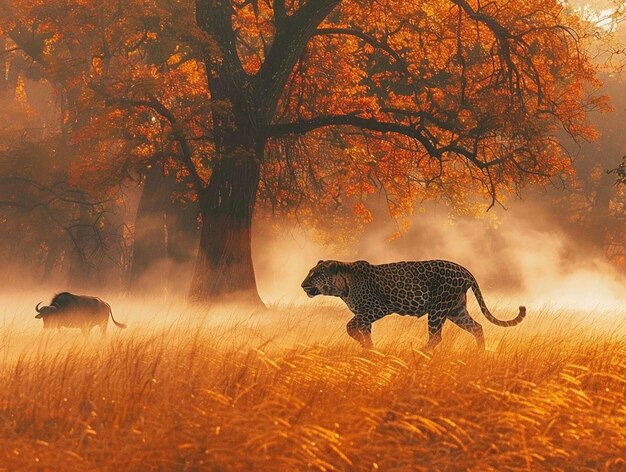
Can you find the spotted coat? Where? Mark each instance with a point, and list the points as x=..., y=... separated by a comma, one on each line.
x=435, y=288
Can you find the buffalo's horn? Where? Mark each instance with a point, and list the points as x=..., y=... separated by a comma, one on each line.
x=37, y=307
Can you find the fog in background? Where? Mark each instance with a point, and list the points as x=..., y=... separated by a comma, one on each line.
x=519, y=256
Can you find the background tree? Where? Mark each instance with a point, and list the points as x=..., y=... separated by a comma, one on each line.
x=591, y=210
x=61, y=45
x=81, y=230
x=478, y=115
x=620, y=171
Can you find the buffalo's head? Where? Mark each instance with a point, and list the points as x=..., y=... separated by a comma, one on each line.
x=48, y=322
x=327, y=278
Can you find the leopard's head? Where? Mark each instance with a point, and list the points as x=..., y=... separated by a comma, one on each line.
x=327, y=278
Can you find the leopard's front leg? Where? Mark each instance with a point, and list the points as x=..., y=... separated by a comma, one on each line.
x=360, y=329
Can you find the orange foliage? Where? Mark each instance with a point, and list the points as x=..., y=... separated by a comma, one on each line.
x=480, y=90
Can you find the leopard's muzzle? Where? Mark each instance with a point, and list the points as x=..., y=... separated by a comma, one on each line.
x=310, y=290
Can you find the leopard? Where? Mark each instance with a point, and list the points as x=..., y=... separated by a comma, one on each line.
x=436, y=288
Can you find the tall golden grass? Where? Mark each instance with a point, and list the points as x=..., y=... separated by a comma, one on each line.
x=182, y=389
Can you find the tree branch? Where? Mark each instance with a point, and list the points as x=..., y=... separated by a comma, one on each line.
x=60, y=196
x=214, y=17
x=291, y=37
x=503, y=36
x=418, y=133
x=375, y=43
x=280, y=14
x=46, y=205
x=187, y=153
x=29, y=43
x=422, y=116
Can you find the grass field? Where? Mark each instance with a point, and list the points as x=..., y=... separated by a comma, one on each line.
x=182, y=389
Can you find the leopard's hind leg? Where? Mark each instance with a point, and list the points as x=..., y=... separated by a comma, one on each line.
x=464, y=321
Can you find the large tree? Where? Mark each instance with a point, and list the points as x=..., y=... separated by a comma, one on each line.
x=298, y=103
x=461, y=84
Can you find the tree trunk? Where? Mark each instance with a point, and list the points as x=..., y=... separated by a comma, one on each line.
x=165, y=234
x=224, y=269
x=3, y=67
x=82, y=274
x=600, y=222
x=51, y=260
x=149, y=246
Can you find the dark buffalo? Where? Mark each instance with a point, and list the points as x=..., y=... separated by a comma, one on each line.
x=67, y=310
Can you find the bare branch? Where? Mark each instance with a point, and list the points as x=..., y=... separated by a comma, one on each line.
x=60, y=196
x=47, y=204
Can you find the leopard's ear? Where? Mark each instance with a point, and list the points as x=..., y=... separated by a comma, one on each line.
x=319, y=262
x=333, y=267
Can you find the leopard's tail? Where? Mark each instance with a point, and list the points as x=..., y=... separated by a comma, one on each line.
x=483, y=307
